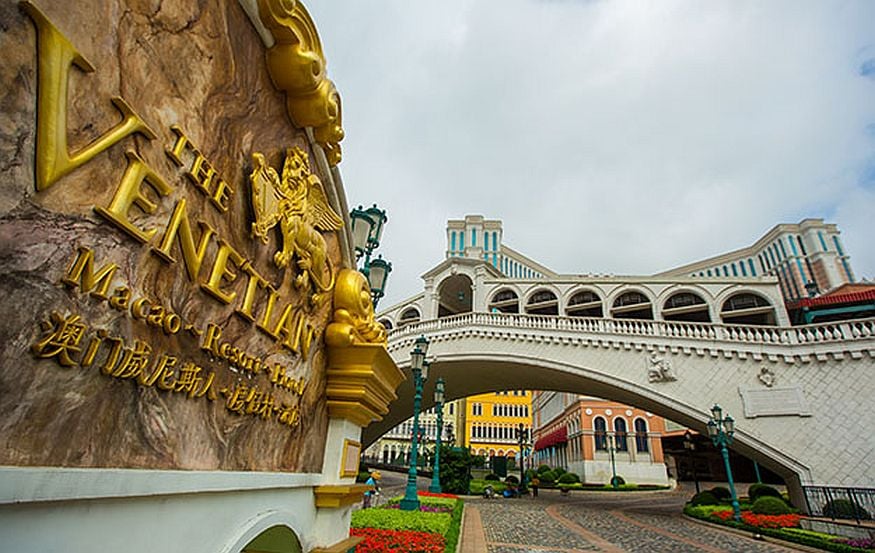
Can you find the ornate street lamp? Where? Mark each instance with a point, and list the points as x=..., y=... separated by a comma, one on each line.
x=612, y=447
x=690, y=446
x=419, y=368
x=720, y=430
x=439, y=406
x=367, y=231
x=522, y=436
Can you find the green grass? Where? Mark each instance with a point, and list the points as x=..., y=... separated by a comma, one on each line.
x=455, y=526
x=396, y=519
x=478, y=485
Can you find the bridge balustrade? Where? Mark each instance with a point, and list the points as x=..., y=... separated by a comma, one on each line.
x=749, y=334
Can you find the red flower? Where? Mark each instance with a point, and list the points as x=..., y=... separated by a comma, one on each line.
x=397, y=541
x=429, y=494
x=762, y=521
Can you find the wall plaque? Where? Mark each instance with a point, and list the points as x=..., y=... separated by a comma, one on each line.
x=773, y=402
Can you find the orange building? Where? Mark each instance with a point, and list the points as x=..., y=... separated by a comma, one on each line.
x=593, y=437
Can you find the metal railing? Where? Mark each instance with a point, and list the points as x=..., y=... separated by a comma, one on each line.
x=840, y=503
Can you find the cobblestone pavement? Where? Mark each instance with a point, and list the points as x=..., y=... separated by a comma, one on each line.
x=607, y=522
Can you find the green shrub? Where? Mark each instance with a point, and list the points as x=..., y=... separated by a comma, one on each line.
x=704, y=498
x=547, y=477
x=618, y=480
x=455, y=527
x=543, y=468
x=559, y=471
x=477, y=486
x=843, y=508
x=575, y=486
x=511, y=479
x=569, y=478
x=456, y=463
x=761, y=490
x=704, y=511
x=530, y=473
x=768, y=505
x=721, y=492
x=492, y=476
x=396, y=519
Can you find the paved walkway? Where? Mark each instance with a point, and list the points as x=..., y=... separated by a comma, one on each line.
x=596, y=521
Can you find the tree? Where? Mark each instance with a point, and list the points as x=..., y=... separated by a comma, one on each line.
x=456, y=463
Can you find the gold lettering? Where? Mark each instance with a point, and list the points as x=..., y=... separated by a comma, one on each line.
x=164, y=367
x=221, y=272
x=56, y=55
x=121, y=298
x=81, y=273
x=253, y=283
x=222, y=195
x=264, y=324
x=181, y=141
x=291, y=326
x=129, y=194
x=191, y=255
x=140, y=308
x=211, y=339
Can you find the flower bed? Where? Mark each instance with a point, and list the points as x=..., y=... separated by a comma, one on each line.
x=784, y=527
x=434, y=528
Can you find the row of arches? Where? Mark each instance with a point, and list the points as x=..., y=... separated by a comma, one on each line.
x=683, y=306
x=620, y=435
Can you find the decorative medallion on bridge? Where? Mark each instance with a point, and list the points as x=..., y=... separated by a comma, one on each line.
x=297, y=202
x=767, y=377
x=659, y=369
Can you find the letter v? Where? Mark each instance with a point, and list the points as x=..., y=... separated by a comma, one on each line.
x=55, y=55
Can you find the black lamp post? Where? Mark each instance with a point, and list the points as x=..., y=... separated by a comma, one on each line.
x=439, y=406
x=522, y=436
x=367, y=230
x=721, y=429
x=690, y=446
x=419, y=368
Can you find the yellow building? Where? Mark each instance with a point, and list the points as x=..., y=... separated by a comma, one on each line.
x=491, y=422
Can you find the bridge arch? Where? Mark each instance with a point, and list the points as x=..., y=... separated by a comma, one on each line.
x=409, y=315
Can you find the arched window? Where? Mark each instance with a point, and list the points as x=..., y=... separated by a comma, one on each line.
x=584, y=304
x=632, y=305
x=686, y=306
x=505, y=301
x=601, y=434
x=409, y=316
x=750, y=309
x=620, y=435
x=543, y=302
x=387, y=324
x=641, y=441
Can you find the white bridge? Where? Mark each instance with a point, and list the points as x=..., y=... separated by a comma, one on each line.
x=803, y=397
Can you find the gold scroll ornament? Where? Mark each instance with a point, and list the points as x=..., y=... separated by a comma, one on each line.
x=362, y=377
x=297, y=67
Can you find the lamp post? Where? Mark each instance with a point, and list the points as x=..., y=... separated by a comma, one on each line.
x=690, y=446
x=522, y=436
x=612, y=447
x=721, y=429
x=367, y=230
x=439, y=405
x=419, y=368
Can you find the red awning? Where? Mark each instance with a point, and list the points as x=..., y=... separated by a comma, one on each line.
x=558, y=436
x=837, y=299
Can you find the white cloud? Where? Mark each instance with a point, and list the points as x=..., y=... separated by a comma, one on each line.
x=609, y=136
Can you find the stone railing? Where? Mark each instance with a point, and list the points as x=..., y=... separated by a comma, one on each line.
x=843, y=331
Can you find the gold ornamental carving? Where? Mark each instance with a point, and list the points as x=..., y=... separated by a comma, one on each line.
x=297, y=67
x=342, y=495
x=362, y=377
x=297, y=202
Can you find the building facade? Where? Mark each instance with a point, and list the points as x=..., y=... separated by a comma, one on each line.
x=597, y=439
x=393, y=448
x=492, y=422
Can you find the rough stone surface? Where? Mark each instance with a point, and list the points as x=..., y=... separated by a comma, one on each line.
x=195, y=64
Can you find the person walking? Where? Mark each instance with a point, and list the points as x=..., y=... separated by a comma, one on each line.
x=534, y=484
x=373, y=480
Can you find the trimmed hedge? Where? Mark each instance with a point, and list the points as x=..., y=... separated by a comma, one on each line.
x=396, y=519
x=721, y=492
x=543, y=468
x=492, y=476
x=511, y=479
x=547, y=477
x=455, y=527
x=757, y=491
x=843, y=508
x=768, y=505
x=704, y=498
x=569, y=478
x=559, y=471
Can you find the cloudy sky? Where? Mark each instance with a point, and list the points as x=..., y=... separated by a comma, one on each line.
x=609, y=136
